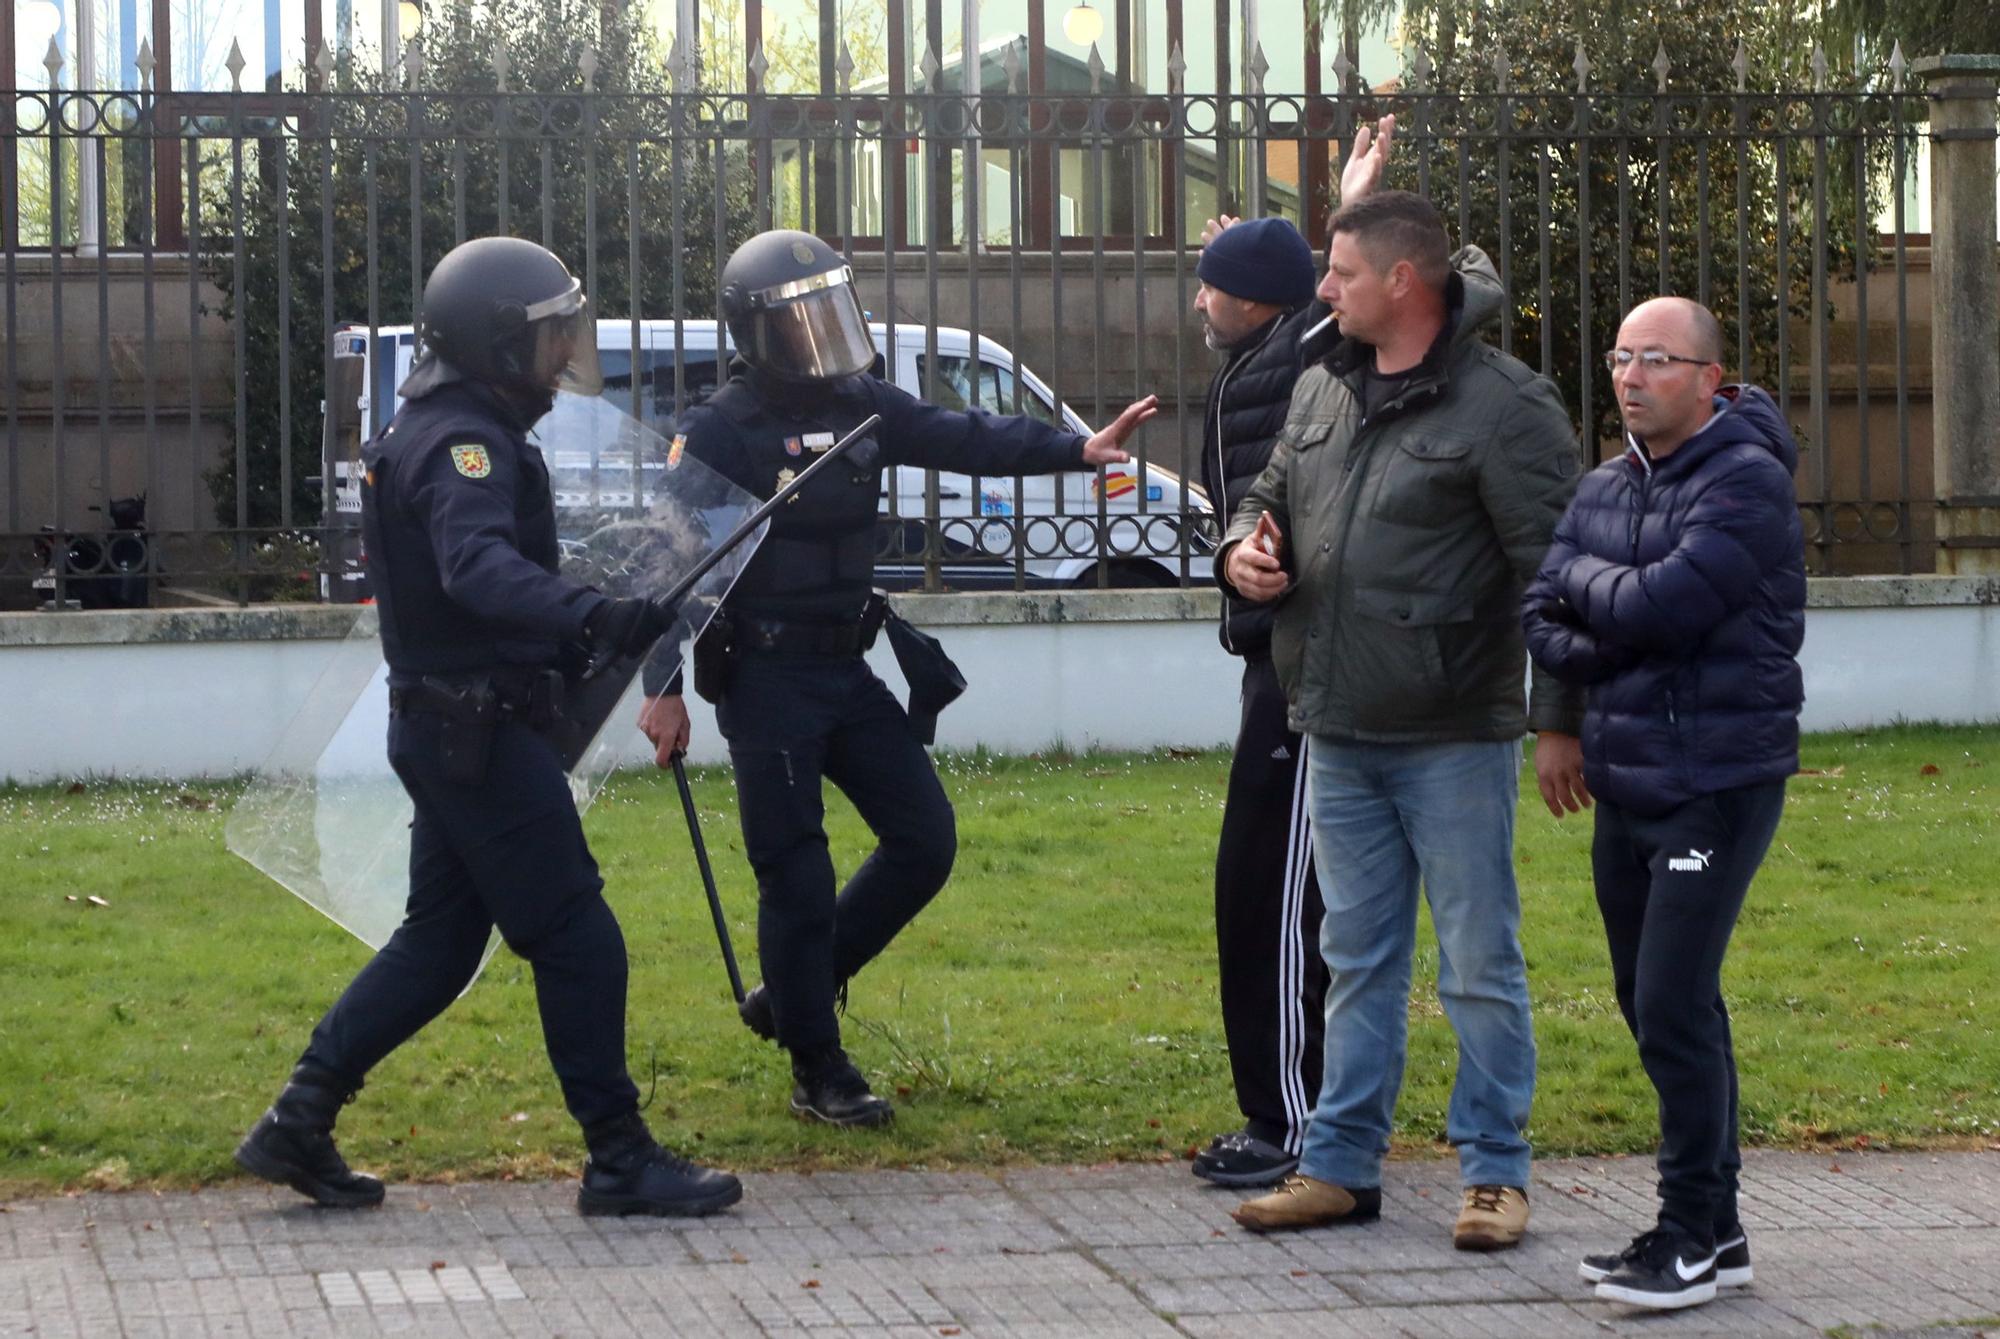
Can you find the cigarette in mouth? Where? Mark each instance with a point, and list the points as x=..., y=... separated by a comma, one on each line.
x=1330, y=319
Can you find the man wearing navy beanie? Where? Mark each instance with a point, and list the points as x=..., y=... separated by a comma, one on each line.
x=1256, y=299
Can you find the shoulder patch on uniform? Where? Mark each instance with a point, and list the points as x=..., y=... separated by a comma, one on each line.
x=471, y=460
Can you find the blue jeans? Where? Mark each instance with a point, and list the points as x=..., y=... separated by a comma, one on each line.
x=1384, y=816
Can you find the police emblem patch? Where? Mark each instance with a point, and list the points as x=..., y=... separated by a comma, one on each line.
x=675, y=451
x=793, y=446
x=785, y=477
x=471, y=460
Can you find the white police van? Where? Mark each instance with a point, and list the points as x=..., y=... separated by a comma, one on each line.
x=1130, y=519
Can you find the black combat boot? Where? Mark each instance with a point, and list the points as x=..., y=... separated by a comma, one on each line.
x=829, y=1088
x=628, y=1172
x=293, y=1143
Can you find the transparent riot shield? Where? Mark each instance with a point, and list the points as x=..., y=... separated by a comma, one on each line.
x=327, y=818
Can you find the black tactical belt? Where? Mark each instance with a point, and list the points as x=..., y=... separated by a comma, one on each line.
x=535, y=699
x=801, y=639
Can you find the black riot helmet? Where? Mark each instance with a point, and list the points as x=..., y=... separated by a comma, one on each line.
x=789, y=301
x=507, y=312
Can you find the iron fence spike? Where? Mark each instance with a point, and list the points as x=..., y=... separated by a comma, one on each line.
x=843, y=66
x=1819, y=68
x=1259, y=67
x=1741, y=64
x=760, y=65
x=931, y=67
x=500, y=65
x=1010, y=62
x=53, y=62
x=323, y=63
x=234, y=63
x=1897, y=65
x=1502, y=69
x=1422, y=68
x=145, y=62
x=1582, y=67
x=1661, y=65
x=587, y=64
x=1176, y=70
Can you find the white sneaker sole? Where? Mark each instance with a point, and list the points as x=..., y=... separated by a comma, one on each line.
x=1652, y=1301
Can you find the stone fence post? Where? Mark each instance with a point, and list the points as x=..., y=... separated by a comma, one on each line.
x=1965, y=315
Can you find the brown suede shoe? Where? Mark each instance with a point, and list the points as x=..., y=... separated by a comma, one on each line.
x=1494, y=1218
x=1302, y=1201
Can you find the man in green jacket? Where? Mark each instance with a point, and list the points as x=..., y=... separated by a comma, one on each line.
x=1411, y=495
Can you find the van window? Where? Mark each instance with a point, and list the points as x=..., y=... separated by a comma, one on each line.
x=955, y=388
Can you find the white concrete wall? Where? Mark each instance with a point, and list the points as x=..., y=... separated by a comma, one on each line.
x=90, y=695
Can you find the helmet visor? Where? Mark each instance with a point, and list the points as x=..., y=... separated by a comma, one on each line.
x=563, y=354
x=817, y=337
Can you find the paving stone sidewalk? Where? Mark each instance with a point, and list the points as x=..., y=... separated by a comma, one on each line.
x=1903, y=1244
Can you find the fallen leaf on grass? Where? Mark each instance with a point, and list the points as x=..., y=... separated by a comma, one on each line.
x=96, y=901
x=75, y=788
x=69, y=897
x=1824, y=771
x=189, y=800
x=1183, y=753
x=1928, y=769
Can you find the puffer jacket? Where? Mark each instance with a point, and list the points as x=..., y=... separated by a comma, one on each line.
x=1676, y=589
x=1410, y=534
x=1247, y=404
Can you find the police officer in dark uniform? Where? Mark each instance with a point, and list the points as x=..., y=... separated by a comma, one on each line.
x=783, y=663
x=459, y=525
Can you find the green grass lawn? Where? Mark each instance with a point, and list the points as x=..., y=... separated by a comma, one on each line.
x=1056, y=1004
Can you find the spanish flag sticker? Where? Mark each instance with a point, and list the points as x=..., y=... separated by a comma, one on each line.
x=675, y=451
x=472, y=461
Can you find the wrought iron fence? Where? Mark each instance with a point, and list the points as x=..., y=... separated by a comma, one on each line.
x=186, y=275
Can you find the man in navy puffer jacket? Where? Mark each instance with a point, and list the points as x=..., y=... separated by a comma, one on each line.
x=1675, y=589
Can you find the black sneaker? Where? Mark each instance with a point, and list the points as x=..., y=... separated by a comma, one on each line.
x=1239, y=1158
x=829, y=1088
x=1663, y=1270
x=1732, y=1262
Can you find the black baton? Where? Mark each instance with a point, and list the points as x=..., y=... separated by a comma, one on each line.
x=707, y=877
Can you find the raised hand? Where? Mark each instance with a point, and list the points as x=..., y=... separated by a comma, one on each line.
x=1368, y=161
x=1108, y=446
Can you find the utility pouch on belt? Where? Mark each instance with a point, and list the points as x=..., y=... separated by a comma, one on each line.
x=934, y=681
x=715, y=658
x=465, y=740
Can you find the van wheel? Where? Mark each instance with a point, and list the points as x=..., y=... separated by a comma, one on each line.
x=1128, y=575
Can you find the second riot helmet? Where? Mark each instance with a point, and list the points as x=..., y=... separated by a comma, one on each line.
x=507, y=312
x=789, y=301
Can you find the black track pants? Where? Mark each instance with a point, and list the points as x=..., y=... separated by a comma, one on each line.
x=1267, y=915
x=1670, y=889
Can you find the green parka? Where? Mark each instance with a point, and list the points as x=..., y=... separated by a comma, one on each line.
x=1409, y=537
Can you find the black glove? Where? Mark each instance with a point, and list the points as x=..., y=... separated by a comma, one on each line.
x=627, y=627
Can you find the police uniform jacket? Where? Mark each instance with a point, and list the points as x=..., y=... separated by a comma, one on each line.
x=817, y=562
x=460, y=534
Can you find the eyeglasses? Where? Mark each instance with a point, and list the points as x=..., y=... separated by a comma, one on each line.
x=1653, y=360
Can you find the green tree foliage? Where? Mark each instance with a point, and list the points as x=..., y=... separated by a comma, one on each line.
x=581, y=172
x=1607, y=190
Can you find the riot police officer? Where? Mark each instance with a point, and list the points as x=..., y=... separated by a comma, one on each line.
x=783, y=663
x=459, y=525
